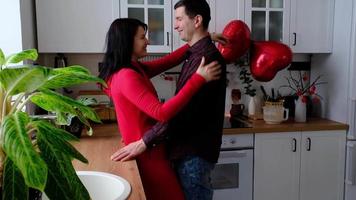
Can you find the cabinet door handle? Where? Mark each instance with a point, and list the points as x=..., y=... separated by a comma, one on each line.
x=294, y=145
x=308, y=144
x=295, y=39
x=167, y=38
x=351, y=172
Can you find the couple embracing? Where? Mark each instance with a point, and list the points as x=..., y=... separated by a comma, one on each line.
x=176, y=144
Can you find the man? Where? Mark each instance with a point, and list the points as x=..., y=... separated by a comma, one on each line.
x=194, y=135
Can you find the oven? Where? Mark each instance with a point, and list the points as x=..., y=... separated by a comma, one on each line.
x=232, y=177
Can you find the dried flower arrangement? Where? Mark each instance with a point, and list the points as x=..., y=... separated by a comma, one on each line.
x=303, y=87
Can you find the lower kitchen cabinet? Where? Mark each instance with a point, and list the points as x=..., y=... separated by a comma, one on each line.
x=299, y=165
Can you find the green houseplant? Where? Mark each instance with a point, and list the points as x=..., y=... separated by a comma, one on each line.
x=245, y=77
x=35, y=153
x=253, y=104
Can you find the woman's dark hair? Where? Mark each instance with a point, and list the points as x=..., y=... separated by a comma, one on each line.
x=119, y=45
x=194, y=8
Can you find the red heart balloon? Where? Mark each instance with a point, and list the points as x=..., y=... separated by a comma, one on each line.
x=267, y=58
x=238, y=34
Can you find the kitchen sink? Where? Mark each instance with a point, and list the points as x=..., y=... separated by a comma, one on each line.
x=101, y=185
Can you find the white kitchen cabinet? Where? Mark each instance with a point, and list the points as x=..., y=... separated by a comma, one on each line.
x=322, y=165
x=157, y=15
x=306, y=26
x=299, y=165
x=74, y=26
x=311, y=27
x=225, y=11
x=277, y=163
x=268, y=19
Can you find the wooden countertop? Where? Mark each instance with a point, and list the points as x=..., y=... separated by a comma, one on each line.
x=98, y=149
x=259, y=126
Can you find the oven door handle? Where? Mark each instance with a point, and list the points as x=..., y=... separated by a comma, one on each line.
x=228, y=157
x=232, y=154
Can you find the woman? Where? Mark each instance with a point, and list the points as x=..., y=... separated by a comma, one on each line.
x=136, y=103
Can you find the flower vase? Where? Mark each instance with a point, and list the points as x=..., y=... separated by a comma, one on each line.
x=252, y=106
x=300, y=112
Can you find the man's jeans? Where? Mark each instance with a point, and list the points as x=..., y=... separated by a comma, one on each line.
x=194, y=174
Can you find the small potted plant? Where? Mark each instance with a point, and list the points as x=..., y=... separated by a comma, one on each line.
x=34, y=153
x=245, y=77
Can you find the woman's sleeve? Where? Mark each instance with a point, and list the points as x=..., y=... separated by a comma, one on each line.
x=134, y=87
x=173, y=59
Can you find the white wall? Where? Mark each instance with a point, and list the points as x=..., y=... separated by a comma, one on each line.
x=18, y=30
x=90, y=61
x=10, y=34
x=336, y=67
x=28, y=24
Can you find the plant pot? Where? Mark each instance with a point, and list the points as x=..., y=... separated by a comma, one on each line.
x=254, y=106
x=76, y=127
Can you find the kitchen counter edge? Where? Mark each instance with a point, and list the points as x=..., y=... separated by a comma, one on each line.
x=259, y=126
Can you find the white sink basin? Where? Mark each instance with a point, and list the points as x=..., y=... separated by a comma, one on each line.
x=101, y=185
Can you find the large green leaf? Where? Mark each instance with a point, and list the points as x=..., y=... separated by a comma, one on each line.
x=86, y=123
x=68, y=76
x=58, y=139
x=19, y=80
x=29, y=54
x=63, y=118
x=63, y=182
x=66, y=118
x=2, y=58
x=71, y=69
x=54, y=102
x=19, y=149
x=14, y=186
x=87, y=101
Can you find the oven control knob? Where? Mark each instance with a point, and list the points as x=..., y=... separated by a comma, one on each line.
x=232, y=141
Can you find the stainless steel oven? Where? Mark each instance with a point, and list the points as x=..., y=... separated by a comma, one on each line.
x=232, y=177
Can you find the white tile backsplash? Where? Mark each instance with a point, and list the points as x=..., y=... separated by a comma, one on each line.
x=165, y=88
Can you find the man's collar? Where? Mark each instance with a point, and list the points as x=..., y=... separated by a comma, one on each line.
x=200, y=44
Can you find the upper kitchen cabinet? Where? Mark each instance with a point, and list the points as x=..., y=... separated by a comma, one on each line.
x=268, y=19
x=311, y=27
x=306, y=26
x=222, y=12
x=157, y=15
x=74, y=26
